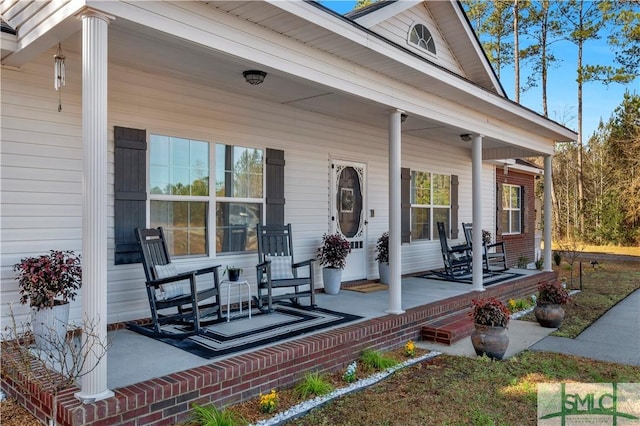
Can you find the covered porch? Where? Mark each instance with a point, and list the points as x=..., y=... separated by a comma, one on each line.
x=333, y=90
x=154, y=382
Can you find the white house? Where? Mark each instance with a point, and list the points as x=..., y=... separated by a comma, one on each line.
x=389, y=118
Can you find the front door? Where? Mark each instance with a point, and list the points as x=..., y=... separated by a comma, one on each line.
x=348, y=213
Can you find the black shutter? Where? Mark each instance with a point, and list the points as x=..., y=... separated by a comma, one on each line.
x=524, y=211
x=274, y=176
x=405, y=205
x=130, y=191
x=499, y=190
x=455, y=205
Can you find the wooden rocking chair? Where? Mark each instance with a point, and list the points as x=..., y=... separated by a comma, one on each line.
x=276, y=269
x=494, y=256
x=166, y=288
x=457, y=260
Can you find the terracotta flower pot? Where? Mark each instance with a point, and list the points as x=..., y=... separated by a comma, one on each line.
x=549, y=315
x=490, y=341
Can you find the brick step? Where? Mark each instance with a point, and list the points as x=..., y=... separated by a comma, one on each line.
x=448, y=330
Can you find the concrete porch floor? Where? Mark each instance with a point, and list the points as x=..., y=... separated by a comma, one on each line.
x=155, y=383
x=128, y=365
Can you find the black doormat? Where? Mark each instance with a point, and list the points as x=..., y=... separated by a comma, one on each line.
x=224, y=338
x=488, y=278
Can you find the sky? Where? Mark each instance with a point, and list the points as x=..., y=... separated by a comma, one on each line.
x=599, y=100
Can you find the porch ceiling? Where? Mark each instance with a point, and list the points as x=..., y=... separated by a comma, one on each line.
x=155, y=52
x=158, y=52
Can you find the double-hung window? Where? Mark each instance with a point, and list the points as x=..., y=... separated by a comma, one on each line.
x=179, y=192
x=181, y=198
x=511, y=209
x=239, y=197
x=430, y=204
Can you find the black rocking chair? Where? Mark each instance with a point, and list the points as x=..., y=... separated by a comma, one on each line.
x=276, y=269
x=166, y=288
x=457, y=260
x=494, y=256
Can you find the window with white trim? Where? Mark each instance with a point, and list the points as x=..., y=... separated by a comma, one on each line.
x=420, y=36
x=180, y=197
x=511, y=209
x=239, y=197
x=430, y=204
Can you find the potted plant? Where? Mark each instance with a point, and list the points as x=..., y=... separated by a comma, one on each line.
x=48, y=283
x=232, y=272
x=382, y=256
x=551, y=296
x=490, y=318
x=333, y=255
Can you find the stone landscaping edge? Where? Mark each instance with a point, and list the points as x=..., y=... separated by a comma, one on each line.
x=303, y=408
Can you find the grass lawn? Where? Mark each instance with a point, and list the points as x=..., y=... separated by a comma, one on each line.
x=463, y=391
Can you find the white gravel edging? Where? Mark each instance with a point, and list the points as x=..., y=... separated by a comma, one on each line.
x=306, y=406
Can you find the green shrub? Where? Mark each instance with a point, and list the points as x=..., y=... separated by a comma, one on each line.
x=210, y=416
x=374, y=359
x=516, y=305
x=313, y=384
x=523, y=261
x=539, y=264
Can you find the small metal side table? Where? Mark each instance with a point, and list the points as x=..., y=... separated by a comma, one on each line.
x=238, y=284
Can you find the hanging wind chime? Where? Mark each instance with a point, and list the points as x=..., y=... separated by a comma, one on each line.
x=59, y=74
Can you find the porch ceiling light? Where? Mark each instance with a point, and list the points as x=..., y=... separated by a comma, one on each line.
x=254, y=77
x=465, y=137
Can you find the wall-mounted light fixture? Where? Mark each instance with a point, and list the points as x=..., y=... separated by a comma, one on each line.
x=465, y=137
x=254, y=77
x=403, y=117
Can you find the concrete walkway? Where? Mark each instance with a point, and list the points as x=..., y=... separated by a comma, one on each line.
x=614, y=337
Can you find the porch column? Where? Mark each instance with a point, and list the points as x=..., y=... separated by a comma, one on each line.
x=476, y=200
x=395, y=218
x=94, y=200
x=548, y=217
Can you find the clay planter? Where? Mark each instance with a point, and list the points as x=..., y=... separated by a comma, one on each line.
x=549, y=315
x=490, y=341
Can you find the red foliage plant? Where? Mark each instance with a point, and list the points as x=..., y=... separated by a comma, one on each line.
x=552, y=292
x=334, y=251
x=491, y=312
x=49, y=279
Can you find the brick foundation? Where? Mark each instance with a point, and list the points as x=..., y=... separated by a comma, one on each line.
x=167, y=400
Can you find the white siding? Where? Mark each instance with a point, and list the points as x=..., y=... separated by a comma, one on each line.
x=397, y=29
x=42, y=177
